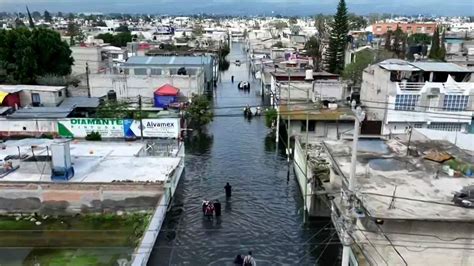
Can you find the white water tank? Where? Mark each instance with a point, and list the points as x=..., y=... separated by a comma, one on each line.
x=309, y=74
x=332, y=106
x=61, y=155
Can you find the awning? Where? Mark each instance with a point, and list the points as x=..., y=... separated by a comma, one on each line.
x=2, y=96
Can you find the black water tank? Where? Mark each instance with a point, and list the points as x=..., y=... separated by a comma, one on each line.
x=111, y=95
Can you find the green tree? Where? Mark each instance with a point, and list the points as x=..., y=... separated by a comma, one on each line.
x=114, y=109
x=59, y=14
x=72, y=31
x=199, y=112
x=197, y=30
x=270, y=117
x=27, y=54
x=313, y=49
x=419, y=38
x=47, y=16
x=119, y=40
x=122, y=28
x=338, y=39
x=356, y=22
x=399, y=43
x=388, y=40
x=353, y=71
x=437, y=51
x=36, y=15
x=293, y=20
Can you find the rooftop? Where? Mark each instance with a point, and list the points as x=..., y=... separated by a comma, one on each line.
x=402, y=65
x=92, y=161
x=17, y=88
x=422, y=189
x=41, y=112
x=297, y=111
x=168, y=60
x=80, y=102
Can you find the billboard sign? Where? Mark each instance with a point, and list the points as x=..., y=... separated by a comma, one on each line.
x=80, y=127
x=153, y=128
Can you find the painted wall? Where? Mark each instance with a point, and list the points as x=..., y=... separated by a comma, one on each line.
x=47, y=98
x=132, y=85
x=59, y=198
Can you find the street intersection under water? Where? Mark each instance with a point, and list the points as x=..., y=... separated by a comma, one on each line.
x=265, y=212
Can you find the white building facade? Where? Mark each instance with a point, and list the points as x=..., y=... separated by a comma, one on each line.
x=405, y=95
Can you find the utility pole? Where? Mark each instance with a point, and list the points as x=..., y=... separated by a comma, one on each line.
x=288, y=121
x=278, y=113
x=87, y=79
x=306, y=159
x=140, y=114
x=410, y=130
x=348, y=213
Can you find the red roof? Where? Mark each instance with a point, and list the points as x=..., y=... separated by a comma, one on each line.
x=167, y=90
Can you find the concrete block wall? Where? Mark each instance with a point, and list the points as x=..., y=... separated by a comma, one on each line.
x=61, y=198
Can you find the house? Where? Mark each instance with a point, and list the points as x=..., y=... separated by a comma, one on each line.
x=380, y=29
x=33, y=95
x=398, y=95
x=405, y=210
x=141, y=75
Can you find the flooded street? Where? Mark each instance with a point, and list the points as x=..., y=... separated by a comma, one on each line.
x=265, y=212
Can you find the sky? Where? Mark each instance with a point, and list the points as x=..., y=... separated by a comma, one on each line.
x=246, y=7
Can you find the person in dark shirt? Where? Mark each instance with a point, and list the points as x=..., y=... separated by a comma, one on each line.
x=228, y=190
x=217, y=208
x=239, y=261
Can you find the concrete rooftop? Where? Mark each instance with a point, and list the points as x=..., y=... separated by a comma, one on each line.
x=100, y=162
x=423, y=190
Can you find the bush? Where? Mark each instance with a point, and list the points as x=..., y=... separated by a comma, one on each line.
x=94, y=136
x=270, y=117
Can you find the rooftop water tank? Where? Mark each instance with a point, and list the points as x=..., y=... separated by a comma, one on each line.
x=309, y=74
x=111, y=95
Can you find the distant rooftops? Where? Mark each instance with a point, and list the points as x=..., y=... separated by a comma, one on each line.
x=402, y=65
x=168, y=60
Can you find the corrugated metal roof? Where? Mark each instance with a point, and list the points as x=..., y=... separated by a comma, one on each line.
x=41, y=112
x=397, y=65
x=80, y=102
x=168, y=60
x=439, y=67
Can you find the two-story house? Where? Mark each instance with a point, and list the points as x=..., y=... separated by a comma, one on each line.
x=434, y=95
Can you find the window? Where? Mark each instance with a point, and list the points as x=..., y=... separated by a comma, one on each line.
x=418, y=29
x=389, y=28
x=418, y=125
x=156, y=71
x=429, y=28
x=35, y=99
x=379, y=28
x=60, y=93
x=408, y=28
x=406, y=102
x=445, y=126
x=311, y=126
x=139, y=71
x=455, y=102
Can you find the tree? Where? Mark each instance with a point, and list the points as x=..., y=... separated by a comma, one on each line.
x=356, y=22
x=388, y=41
x=437, y=51
x=72, y=31
x=419, y=38
x=36, y=15
x=293, y=20
x=27, y=54
x=122, y=28
x=47, y=16
x=114, y=109
x=270, y=117
x=197, y=30
x=313, y=49
x=199, y=112
x=353, y=71
x=59, y=14
x=399, y=43
x=119, y=40
x=338, y=39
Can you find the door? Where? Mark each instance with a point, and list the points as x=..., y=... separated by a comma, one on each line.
x=35, y=99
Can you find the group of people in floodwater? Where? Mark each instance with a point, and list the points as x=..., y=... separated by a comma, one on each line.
x=211, y=208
